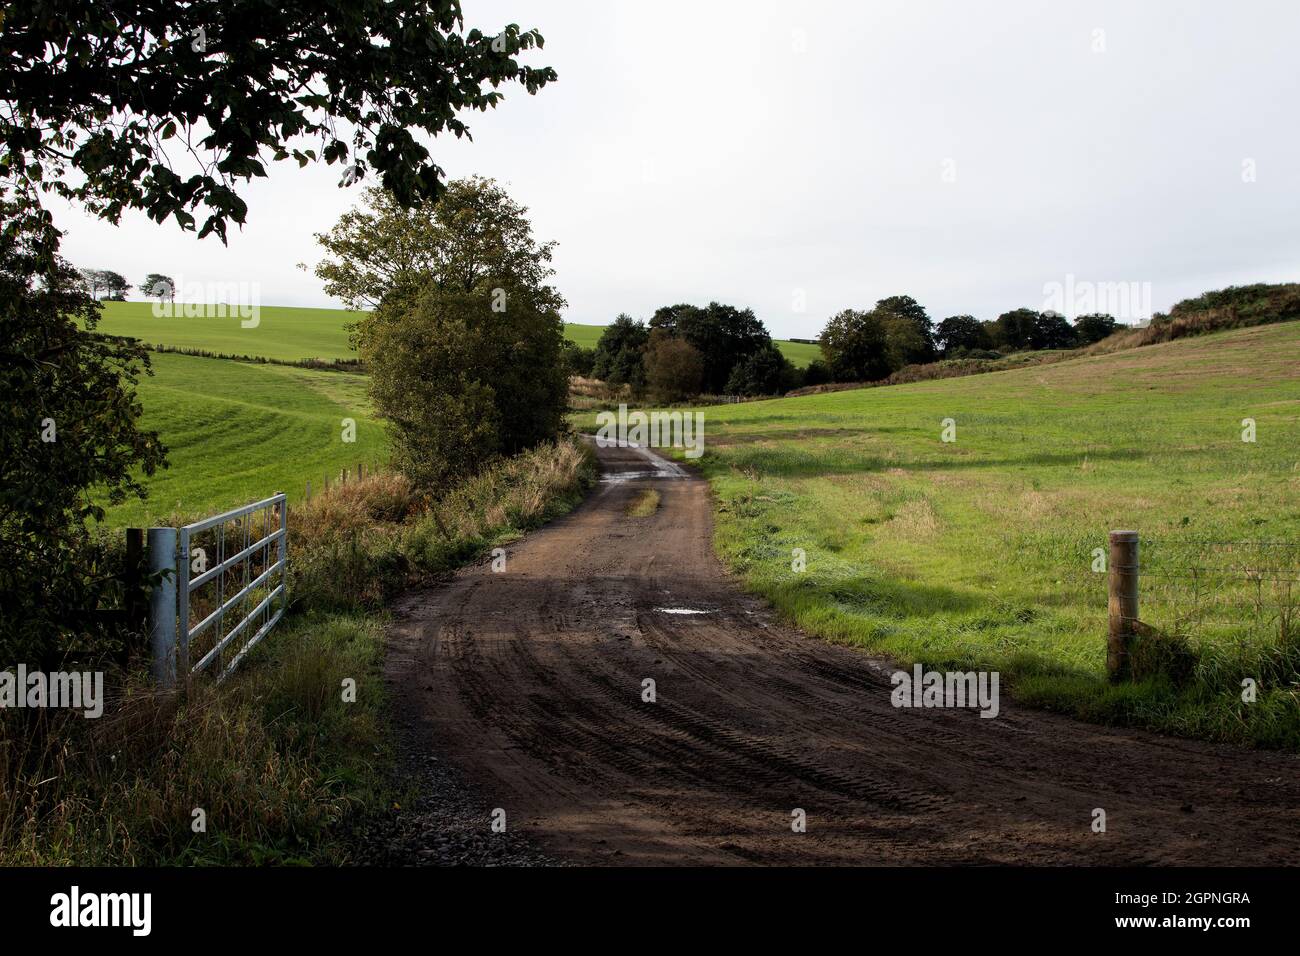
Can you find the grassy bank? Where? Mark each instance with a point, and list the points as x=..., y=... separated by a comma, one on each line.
x=277, y=760
x=237, y=432
x=978, y=553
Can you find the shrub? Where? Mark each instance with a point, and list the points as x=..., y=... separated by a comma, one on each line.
x=816, y=373
x=577, y=360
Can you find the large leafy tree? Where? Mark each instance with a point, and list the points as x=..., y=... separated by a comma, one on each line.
x=962, y=332
x=673, y=367
x=169, y=108
x=765, y=372
x=474, y=230
x=1052, y=330
x=914, y=346
x=907, y=343
x=855, y=346
x=160, y=286
x=1015, y=329
x=1094, y=327
x=465, y=346
x=458, y=383
x=115, y=284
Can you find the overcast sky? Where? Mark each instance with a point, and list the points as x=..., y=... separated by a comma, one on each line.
x=802, y=158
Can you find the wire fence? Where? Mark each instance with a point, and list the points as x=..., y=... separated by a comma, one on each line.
x=1221, y=589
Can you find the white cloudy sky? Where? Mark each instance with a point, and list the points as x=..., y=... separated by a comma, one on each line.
x=760, y=153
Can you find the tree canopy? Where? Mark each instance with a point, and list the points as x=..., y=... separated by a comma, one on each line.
x=854, y=345
x=722, y=334
x=619, y=359
x=473, y=231
x=100, y=96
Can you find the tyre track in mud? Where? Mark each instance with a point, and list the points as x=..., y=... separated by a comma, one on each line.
x=529, y=681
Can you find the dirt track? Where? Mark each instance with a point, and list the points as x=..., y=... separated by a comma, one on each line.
x=530, y=681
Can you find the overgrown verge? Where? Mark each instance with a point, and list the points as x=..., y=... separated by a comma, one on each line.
x=1236, y=307
x=270, y=766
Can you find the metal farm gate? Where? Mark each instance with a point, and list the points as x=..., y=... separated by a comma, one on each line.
x=225, y=587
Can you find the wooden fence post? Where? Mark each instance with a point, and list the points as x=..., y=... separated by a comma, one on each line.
x=360, y=472
x=1123, y=603
x=309, y=489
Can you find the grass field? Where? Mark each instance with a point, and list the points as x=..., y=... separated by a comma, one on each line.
x=978, y=553
x=293, y=334
x=799, y=353
x=237, y=431
x=281, y=333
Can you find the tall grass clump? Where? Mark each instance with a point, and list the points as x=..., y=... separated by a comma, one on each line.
x=272, y=759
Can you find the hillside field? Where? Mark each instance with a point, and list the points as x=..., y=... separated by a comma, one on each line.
x=977, y=554
x=238, y=431
x=292, y=334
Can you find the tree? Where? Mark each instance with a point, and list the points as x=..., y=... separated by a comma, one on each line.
x=458, y=383
x=906, y=342
x=619, y=358
x=854, y=346
x=115, y=285
x=93, y=281
x=962, y=332
x=90, y=95
x=723, y=335
x=383, y=244
x=98, y=89
x=1051, y=330
x=1094, y=327
x=765, y=372
x=69, y=426
x=1014, y=330
x=674, y=368
x=162, y=287
x=466, y=352
x=919, y=347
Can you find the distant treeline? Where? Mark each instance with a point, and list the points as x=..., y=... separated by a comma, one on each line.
x=685, y=351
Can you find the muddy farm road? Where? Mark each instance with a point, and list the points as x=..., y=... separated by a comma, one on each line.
x=530, y=682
